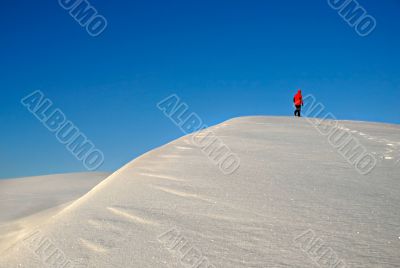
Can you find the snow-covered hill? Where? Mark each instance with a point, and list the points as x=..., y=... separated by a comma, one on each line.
x=294, y=201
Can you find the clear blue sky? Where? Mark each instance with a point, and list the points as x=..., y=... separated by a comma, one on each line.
x=224, y=58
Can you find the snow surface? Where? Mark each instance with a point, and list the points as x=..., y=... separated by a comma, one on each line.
x=290, y=182
x=26, y=202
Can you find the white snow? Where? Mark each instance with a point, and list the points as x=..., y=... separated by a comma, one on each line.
x=290, y=180
x=27, y=202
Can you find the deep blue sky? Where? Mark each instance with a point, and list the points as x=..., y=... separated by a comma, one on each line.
x=224, y=58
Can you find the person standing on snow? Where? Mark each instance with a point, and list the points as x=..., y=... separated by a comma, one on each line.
x=298, y=102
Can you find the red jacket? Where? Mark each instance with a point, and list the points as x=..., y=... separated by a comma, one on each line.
x=298, y=98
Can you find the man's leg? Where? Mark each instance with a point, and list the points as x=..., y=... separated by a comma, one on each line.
x=297, y=112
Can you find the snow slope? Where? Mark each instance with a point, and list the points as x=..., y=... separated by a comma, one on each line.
x=26, y=202
x=293, y=202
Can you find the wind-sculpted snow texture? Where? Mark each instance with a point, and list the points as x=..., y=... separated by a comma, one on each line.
x=173, y=208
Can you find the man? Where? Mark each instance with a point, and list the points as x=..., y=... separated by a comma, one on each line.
x=298, y=102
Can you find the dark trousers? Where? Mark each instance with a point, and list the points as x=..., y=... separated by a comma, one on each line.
x=297, y=112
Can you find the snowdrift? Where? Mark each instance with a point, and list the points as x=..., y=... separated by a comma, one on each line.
x=294, y=201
